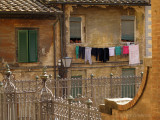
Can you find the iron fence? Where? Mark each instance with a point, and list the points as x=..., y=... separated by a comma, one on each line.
x=82, y=89
x=33, y=100
x=47, y=98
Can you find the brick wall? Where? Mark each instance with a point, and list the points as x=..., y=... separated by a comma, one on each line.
x=148, y=107
x=8, y=46
x=155, y=60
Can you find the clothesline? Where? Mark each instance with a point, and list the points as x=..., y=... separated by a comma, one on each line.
x=103, y=54
x=105, y=45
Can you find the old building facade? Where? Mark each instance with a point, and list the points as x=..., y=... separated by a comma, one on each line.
x=26, y=39
x=85, y=24
x=101, y=25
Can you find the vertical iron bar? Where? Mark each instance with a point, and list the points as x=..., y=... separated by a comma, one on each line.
x=89, y=103
x=70, y=99
x=111, y=75
x=141, y=76
x=91, y=85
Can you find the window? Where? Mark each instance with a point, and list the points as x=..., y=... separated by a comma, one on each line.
x=27, y=46
x=76, y=86
x=128, y=86
x=75, y=29
x=127, y=28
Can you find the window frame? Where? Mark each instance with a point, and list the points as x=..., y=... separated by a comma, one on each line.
x=128, y=19
x=83, y=29
x=16, y=38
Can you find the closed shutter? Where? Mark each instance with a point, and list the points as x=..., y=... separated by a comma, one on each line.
x=128, y=85
x=32, y=46
x=127, y=27
x=75, y=27
x=23, y=46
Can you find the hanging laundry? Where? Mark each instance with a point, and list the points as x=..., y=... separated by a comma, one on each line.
x=128, y=43
x=125, y=50
x=101, y=54
x=88, y=54
x=77, y=52
x=134, y=54
x=112, y=51
x=106, y=54
x=118, y=50
x=94, y=52
x=81, y=52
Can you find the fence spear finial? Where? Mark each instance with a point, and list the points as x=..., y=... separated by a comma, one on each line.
x=8, y=72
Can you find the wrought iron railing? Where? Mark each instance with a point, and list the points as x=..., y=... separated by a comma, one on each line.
x=33, y=100
x=47, y=99
x=96, y=89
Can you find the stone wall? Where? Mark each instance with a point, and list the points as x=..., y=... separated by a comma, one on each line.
x=103, y=29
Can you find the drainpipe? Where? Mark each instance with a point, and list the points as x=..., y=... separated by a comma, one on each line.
x=63, y=31
x=54, y=47
x=61, y=36
x=63, y=41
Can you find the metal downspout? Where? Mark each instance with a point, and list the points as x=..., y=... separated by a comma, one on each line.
x=54, y=48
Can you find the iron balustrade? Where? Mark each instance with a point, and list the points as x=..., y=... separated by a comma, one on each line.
x=34, y=100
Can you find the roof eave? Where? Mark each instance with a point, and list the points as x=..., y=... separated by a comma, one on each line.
x=28, y=15
x=89, y=3
x=31, y=12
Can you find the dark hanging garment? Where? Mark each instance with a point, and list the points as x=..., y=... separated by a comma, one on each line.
x=106, y=54
x=81, y=52
x=94, y=52
x=101, y=54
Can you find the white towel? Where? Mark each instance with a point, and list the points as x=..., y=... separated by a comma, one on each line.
x=88, y=54
x=134, y=54
x=111, y=51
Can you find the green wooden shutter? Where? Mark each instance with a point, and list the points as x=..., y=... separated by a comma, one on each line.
x=32, y=45
x=22, y=45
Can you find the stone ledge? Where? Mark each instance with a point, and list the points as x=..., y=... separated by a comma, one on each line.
x=147, y=61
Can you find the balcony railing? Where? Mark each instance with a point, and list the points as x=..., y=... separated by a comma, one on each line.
x=33, y=100
x=47, y=99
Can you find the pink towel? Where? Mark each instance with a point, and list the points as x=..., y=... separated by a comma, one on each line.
x=125, y=50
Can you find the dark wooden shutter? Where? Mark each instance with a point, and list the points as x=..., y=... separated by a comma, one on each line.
x=22, y=45
x=32, y=45
x=75, y=27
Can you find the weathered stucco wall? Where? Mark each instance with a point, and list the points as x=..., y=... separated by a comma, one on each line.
x=103, y=29
x=8, y=44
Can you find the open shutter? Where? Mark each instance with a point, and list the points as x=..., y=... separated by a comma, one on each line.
x=22, y=45
x=32, y=45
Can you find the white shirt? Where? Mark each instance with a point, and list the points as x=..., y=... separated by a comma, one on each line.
x=111, y=51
